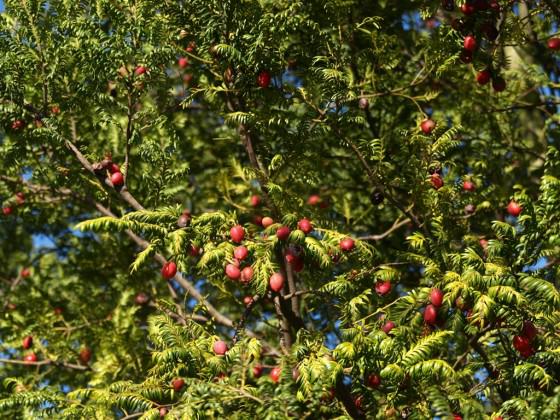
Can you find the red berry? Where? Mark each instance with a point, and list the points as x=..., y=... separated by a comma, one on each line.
x=466, y=56
x=240, y=252
x=363, y=103
x=255, y=200
x=85, y=355
x=514, y=208
x=468, y=186
x=117, y=179
x=387, y=327
x=529, y=330
x=305, y=226
x=247, y=274
x=177, y=384
x=297, y=264
x=283, y=233
x=522, y=344
x=257, y=371
x=20, y=198
x=267, y=221
x=358, y=402
x=237, y=233
x=183, y=62
x=347, y=244
x=483, y=77
x=436, y=297
x=113, y=168
x=436, y=180
x=194, y=250
x=18, y=124
x=427, y=126
x=469, y=43
x=498, y=84
x=554, y=44
x=313, y=200
x=220, y=347
x=275, y=374
x=263, y=79
x=31, y=357
x=374, y=381
x=27, y=342
x=276, y=282
x=258, y=220
x=140, y=70
x=141, y=298
x=247, y=300
x=457, y=417
x=233, y=272
x=468, y=9
x=483, y=243
x=25, y=272
x=430, y=315
x=55, y=109
x=58, y=310
x=169, y=270
x=7, y=211
x=295, y=374
x=382, y=287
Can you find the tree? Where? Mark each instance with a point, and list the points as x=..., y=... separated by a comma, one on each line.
x=269, y=209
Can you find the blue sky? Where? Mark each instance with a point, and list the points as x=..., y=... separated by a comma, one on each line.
x=1, y=5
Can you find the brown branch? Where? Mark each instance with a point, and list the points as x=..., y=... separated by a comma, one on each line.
x=46, y=362
x=380, y=236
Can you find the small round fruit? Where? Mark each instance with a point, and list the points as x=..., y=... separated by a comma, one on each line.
x=184, y=219
x=183, y=62
x=30, y=358
x=430, y=315
x=178, y=384
x=553, y=44
x=468, y=186
x=20, y=198
x=363, y=103
x=468, y=9
x=258, y=371
x=427, y=126
x=314, y=200
x=529, y=330
x=305, y=226
x=514, y=208
x=267, y=221
x=117, y=179
x=498, y=84
x=25, y=272
x=140, y=70
x=220, y=347
x=247, y=274
x=263, y=79
x=483, y=77
x=6, y=211
x=346, y=245
x=141, y=298
x=276, y=282
x=241, y=252
x=483, y=243
x=18, y=124
x=382, y=287
x=283, y=233
x=233, y=272
x=237, y=233
x=27, y=342
x=436, y=180
x=470, y=209
x=194, y=250
x=377, y=197
x=248, y=300
x=55, y=109
x=373, y=381
x=275, y=374
x=466, y=56
x=85, y=355
x=469, y=43
x=387, y=327
x=255, y=200
x=169, y=270
x=436, y=297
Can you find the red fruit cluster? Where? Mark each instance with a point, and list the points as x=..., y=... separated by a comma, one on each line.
x=523, y=342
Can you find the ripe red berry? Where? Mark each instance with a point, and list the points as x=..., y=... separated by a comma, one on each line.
x=255, y=200
x=305, y=226
x=436, y=297
x=469, y=43
x=457, y=417
x=140, y=70
x=427, y=126
x=27, y=342
x=220, y=347
x=430, y=315
x=347, y=244
x=257, y=220
x=297, y=264
x=275, y=374
x=359, y=401
x=468, y=9
x=20, y=198
x=237, y=233
x=85, y=355
x=169, y=270
x=363, y=103
x=283, y=233
x=529, y=330
x=162, y=411
x=466, y=56
x=257, y=371
x=7, y=211
x=313, y=200
x=264, y=79
x=30, y=358
x=374, y=381
x=387, y=327
x=247, y=300
x=177, y=384
x=267, y=221
x=113, y=168
x=246, y=274
x=194, y=251
x=483, y=243
x=141, y=298
x=483, y=77
x=55, y=109
x=498, y=84
x=117, y=179
x=468, y=186
x=382, y=287
x=25, y=272
x=58, y=310
x=514, y=209
x=436, y=180
x=553, y=44
x=241, y=252
x=521, y=343
x=18, y=124
x=276, y=282
x=233, y=272
x=183, y=62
